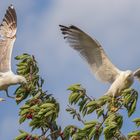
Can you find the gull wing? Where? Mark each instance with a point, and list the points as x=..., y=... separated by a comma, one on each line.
x=8, y=29
x=92, y=52
x=136, y=73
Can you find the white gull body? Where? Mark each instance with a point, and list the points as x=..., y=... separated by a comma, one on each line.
x=8, y=30
x=101, y=66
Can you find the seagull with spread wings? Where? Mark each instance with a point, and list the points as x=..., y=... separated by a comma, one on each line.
x=101, y=66
x=8, y=30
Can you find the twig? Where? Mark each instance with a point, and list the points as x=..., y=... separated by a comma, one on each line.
x=54, y=132
x=104, y=118
x=77, y=115
x=31, y=72
x=84, y=91
x=43, y=132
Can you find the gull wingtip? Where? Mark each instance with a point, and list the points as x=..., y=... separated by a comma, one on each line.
x=11, y=6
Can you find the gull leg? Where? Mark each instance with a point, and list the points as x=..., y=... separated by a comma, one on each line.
x=8, y=94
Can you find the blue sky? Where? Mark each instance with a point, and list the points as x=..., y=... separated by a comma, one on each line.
x=115, y=24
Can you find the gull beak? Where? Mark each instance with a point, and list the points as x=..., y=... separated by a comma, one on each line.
x=24, y=81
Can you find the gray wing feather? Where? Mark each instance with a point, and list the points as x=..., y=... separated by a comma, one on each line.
x=8, y=29
x=136, y=73
x=92, y=52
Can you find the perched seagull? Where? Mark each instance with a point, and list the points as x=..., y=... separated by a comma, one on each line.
x=103, y=69
x=8, y=29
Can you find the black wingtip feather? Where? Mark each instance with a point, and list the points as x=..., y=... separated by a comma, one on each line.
x=11, y=13
x=63, y=33
x=65, y=28
x=73, y=27
x=62, y=26
x=10, y=18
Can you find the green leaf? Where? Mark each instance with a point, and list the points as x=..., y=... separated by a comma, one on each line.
x=24, y=107
x=75, y=87
x=22, y=136
x=103, y=100
x=130, y=101
x=90, y=124
x=24, y=111
x=109, y=132
x=92, y=133
x=91, y=110
x=84, y=111
x=22, y=119
x=92, y=103
x=134, y=133
x=99, y=112
x=49, y=113
x=78, y=98
x=132, y=108
x=69, y=131
x=46, y=105
x=82, y=103
x=127, y=91
x=23, y=56
x=137, y=121
x=73, y=96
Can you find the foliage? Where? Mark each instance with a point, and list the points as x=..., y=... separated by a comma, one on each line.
x=41, y=110
x=107, y=109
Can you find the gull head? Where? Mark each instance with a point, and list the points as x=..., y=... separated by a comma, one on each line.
x=21, y=79
x=129, y=73
x=129, y=76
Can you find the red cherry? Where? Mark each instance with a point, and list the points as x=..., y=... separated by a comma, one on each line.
x=36, y=139
x=61, y=133
x=28, y=137
x=29, y=116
